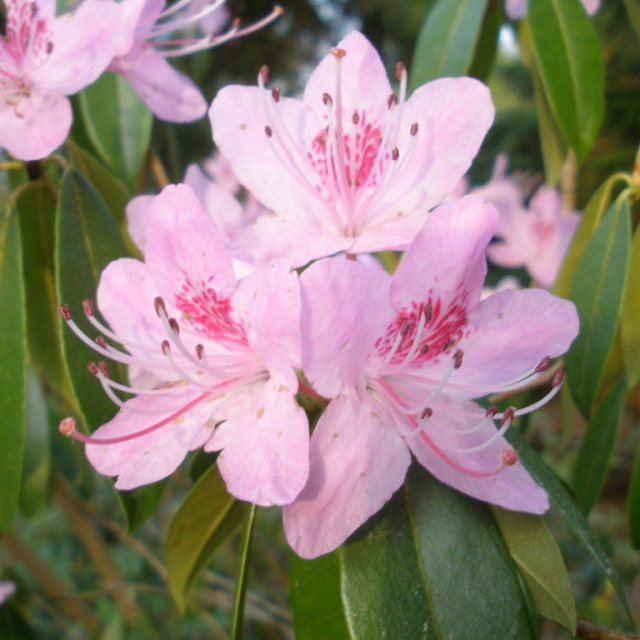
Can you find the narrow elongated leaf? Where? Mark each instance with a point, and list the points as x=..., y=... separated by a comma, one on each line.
x=13, y=356
x=569, y=58
x=315, y=598
x=595, y=451
x=591, y=217
x=242, y=575
x=630, y=319
x=487, y=45
x=633, y=504
x=538, y=557
x=117, y=123
x=417, y=569
x=37, y=453
x=206, y=518
x=87, y=239
x=597, y=291
x=633, y=9
x=139, y=504
x=564, y=503
x=447, y=40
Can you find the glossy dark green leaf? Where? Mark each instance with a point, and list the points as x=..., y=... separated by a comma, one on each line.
x=139, y=504
x=597, y=291
x=563, y=502
x=205, y=519
x=487, y=45
x=630, y=319
x=594, y=455
x=591, y=217
x=242, y=575
x=538, y=557
x=13, y=624
x=633, y=504
x=416, y=571
x=37, y=452
x=568, y=55
x=87, y=239
x=315, y=598
x=447, y=40
x=117, y=123
x=13, y=356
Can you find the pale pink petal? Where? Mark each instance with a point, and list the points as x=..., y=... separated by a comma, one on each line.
x=35, y=126
x=7, y=589
x=511, y=488
x=516, y=9
x=511, y=332
x=345, y=307
x=446, y=263
x=185, y=252
x=357, y=463
x=268, y=301
x=591, y=6
x=84, y=42
x=137, y=213
x=148, y=458
x=265, y=459
x=365, y=85
x=169, y=94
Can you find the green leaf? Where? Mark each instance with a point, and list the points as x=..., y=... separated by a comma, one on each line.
x=633, y=504
x=447, y=40
x=591, y=217
x=540, y=562
x=87, y=239
x=242, y=575
x=592, y=462
x=487, y=45
x=416, y=572
x=630, y=319
x=117, y=123
x=569, y=58
x=206, y=518
x=633, y=9
x=37, y=454
x=13, y=356
x=597, y=291
x=139, y=504
x=564, y=503
x=315, y=598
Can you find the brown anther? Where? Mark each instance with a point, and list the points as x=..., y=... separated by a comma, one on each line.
x=199, y=351
x=104, y=368
x=558, y=378
x=269, y=131
x=235, y=24
x=405, y=327
x=545, y=363
x=414, y=129
x=508, y=415
x=423, y=349
x=278, y=10
x=158, y=305
x=93, y=368
x=49, y=47
x=327, y=100
x=395, y=154
x=101, y=342
x=400, y=70
x=87, y=307
x=275, y=94
x=264, y=73
x=165, y=346
x=67, y=426
x=508, y=456
x=457, y=359
x=355, y=118
x=64, y=312
x=33, y=8
x=490, y=412
x=426, y=413
x=392, y=100
x=428, y=313
x=338, y=53
x=175, y=327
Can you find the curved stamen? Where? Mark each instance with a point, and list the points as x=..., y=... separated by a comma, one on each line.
x=185, y=21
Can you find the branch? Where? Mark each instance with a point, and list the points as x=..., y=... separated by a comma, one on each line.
x=591, y=631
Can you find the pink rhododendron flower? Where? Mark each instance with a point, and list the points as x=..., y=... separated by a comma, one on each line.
x=43, y=59
x=222, y=350
x=350, y=167
x=168, y=93
x=217, y=190
x=517, y=9
x=402, y=358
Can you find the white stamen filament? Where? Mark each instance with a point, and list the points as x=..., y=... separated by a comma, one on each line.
x=180, y=23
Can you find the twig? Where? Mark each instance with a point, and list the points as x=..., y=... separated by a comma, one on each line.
x=591, y=631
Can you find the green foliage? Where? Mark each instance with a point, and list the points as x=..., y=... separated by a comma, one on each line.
x=633, y=504
x=630, y=318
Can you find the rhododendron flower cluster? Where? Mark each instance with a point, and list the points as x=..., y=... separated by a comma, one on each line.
x=220, y=333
